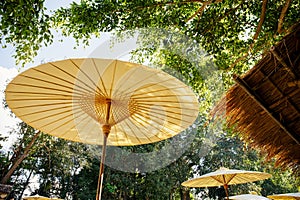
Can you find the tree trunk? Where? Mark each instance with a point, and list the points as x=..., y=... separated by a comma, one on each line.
x=26, y=183
x=18, y=160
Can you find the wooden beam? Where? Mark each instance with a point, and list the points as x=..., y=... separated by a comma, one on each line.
x=285, y=66
x=260, y=102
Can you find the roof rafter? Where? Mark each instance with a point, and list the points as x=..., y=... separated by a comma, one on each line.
x=259, y=101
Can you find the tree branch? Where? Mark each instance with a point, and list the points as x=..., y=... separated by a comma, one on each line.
x=208, y=29
x=170, y=3
x=258, y=30
x=261, y=20
x=199, y=11
x=282, y=15
x=20, y=159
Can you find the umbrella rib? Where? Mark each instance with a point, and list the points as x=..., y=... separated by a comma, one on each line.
x=75, y=78
x=168, y=111
x=41, y=93
x=40, y=87
x=54, y=76
x=87, y=76
x=63, y=79
x=46, y=81
x=121, y=127
x=218, y=180
x=137, y=137
x=172, y=107
x=99, y=75
x=126, y=135
x=87, y=121
x=113, y=79
x=155, y=116
x=160, y=90
x=165, y=96
x=141, y=81
x=233, y=175
x=125, y=121
x=42, y=111
x=52, y=115
x=29, y=106
x=142, y=125
x=148, y=85
x=165, y=101
x=53, y=122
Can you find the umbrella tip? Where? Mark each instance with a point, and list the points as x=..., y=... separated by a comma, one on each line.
x=223, y=168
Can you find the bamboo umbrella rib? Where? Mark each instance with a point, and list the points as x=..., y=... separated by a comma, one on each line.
x=155, y=116
x=160, y=90
x=63, y=79
x=164, y=96
x=21, y=93
x=144, y=108
x=172, y=107
x=65, y=109
x=231, y=177
x=49, y=116
x=113, y=79
x=41, y=87
x=85, y=123
x=167, y=101
x=134, y=118
x=42, y=105
x=126, y=135
x=158, y=83
x=100, y=77
x=50, y=82
x=135, y=83
x=92, y=90
x=131, y=125
x=88, y=77
x=67, y=130
x=54, y=122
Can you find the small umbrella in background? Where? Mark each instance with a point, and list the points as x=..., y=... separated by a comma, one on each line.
x=103, y=102
x=224, y=177
x=248, y=197
x=37, y=197
x=287, y=196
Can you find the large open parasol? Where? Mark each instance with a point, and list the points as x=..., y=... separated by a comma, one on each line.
x=286, y=196
x=103, y=102
x=38, y=197
x=248, y=197
x=224, y=177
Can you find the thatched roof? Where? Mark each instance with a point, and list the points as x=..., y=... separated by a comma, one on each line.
x=264, y=104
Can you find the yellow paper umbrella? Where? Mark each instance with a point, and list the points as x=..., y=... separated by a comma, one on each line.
x=37, y=197
x=103, y=102
x=248, y=197
x=224, y=177
x=287, y=196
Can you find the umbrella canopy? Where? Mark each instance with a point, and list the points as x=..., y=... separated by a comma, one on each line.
x=87, y=100
x=37, y=197
x=71, y=99
x=287, y=196
x=248, y=197
x=225, y=177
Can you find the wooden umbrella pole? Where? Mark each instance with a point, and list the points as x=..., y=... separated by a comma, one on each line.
x=226, y=191
x=106, y=131
x=101, y=170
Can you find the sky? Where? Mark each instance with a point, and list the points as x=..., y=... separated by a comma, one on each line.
x=98, y=48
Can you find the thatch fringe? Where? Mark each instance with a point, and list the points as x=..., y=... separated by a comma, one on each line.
x=267, y=113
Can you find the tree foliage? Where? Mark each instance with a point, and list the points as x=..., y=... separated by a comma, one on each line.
x=189, y=39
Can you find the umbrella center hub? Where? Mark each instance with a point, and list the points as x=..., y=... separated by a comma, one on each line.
x=107, y=111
